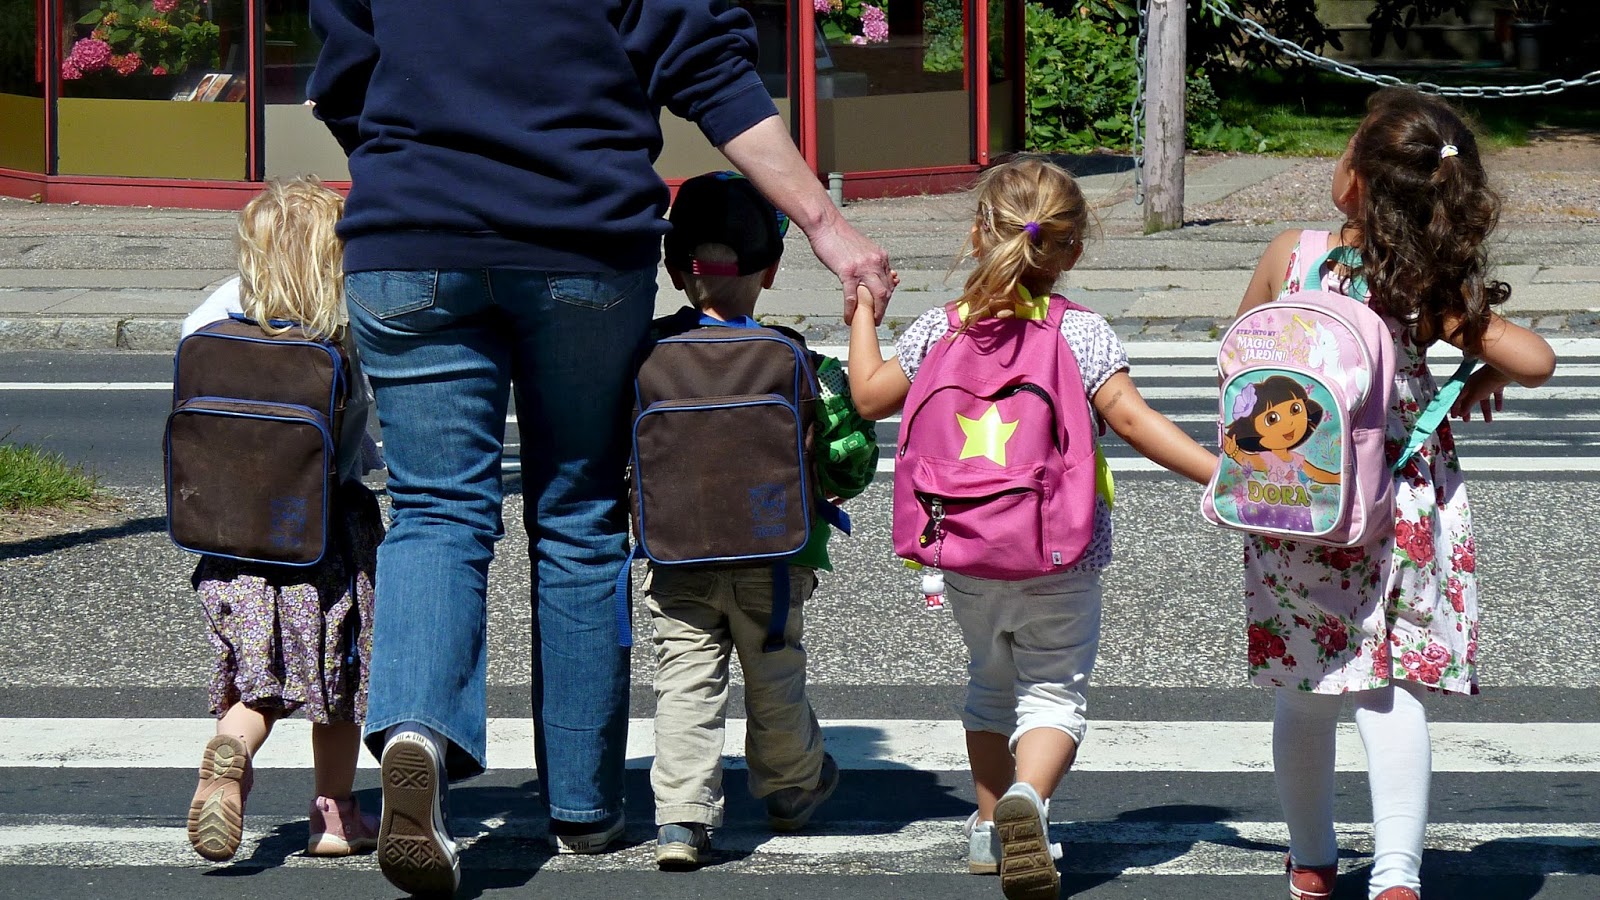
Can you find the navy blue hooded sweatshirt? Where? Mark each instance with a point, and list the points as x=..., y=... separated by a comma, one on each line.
x=521, y=133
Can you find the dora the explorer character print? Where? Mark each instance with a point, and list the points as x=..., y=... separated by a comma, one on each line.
x=1273, y=419
x=1332, y=619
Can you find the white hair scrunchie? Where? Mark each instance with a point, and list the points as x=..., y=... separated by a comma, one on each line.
x=1447, y=151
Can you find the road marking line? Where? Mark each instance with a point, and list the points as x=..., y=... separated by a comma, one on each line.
x=86, y=386
x=886, y=745
x=925, y=845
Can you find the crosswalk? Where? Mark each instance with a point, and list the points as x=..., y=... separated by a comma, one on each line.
x=1172, y=797
x=1555, y=428
x=872, y=828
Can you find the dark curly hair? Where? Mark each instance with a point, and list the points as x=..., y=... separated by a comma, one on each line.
x=1425, y=217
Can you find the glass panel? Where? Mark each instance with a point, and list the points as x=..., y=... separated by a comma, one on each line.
x=296, y=142
x=772, y=40
x=891, y=85
x=685, y=152
x=1004, y=134
x=153, y=49
x=125, y=61
x=290, y=51
x=22, y=76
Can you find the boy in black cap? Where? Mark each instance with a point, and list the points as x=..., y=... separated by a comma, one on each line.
x=723, y=250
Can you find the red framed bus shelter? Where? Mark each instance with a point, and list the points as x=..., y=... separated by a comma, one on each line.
x=107, y=107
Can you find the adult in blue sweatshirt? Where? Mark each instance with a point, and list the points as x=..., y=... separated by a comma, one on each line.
x=503, y=227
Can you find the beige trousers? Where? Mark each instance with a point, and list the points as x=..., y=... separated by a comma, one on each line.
x=701, y=617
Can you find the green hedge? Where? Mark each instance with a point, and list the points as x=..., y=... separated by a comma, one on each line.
x=1082, y=74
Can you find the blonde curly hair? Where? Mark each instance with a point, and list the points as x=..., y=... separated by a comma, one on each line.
x=291, y=264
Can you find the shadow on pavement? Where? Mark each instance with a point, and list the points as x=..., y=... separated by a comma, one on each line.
x=41, y=545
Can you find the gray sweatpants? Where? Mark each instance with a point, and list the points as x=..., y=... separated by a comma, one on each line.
x=701, y=617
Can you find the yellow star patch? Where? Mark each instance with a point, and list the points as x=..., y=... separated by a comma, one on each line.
x=986, y=435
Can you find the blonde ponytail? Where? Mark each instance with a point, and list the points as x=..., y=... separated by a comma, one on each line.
x=1031, y=222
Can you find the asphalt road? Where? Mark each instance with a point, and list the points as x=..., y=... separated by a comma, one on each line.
x=104, y=663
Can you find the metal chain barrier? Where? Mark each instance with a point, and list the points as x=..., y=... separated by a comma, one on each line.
x=1289, y=48
x=1141, y=49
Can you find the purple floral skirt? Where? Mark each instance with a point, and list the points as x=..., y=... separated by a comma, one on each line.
x=288, y=637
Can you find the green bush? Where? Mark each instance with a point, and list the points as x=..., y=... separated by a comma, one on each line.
x=1083, y=73
x=31, y=478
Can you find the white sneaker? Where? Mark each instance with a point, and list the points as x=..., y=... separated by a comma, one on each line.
x=415, y=850
x=1027, y=858
x=983, y=846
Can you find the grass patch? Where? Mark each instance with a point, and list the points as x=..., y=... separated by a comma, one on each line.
x=32, y=479
x=1318, y=117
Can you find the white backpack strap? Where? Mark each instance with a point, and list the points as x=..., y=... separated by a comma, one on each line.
x=1313, y=246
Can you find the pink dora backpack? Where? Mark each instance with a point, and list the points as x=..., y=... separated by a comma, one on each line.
x=995, y=472
x=1307, y=381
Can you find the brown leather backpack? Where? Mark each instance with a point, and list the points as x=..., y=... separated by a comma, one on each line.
x=250, y=442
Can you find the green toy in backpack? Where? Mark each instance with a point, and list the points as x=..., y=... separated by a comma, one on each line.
x=847, y=457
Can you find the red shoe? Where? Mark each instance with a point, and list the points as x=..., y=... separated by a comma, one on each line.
x=1307, y=883
x=1399, y=893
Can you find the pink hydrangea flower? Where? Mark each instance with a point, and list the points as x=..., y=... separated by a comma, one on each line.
x=90, y=55
x=823, y=7
x=158, y=70
x=164, y=6
x=127, y=65
x=874, y=26
x=70, y=72
x=858, y=40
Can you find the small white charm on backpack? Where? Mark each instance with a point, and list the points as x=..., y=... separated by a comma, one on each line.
x=932, y=590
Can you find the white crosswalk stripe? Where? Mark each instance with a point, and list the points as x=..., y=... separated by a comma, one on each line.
x=845, y=841
x=857, y=744
x=834, y=846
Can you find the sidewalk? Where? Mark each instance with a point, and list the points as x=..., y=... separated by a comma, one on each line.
x=105, y=278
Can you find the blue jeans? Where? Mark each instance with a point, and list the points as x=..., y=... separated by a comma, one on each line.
x=442, y=350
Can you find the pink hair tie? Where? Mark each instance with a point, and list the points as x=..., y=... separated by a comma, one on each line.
x=1032, y=228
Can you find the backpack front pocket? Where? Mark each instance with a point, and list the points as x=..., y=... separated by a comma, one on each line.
x=249, y=480
x=985, y=522
x=754, y=504
x=1286, y=446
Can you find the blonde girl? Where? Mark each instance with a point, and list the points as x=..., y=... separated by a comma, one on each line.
x=1394, y=620
x=287, y=638
x=1032, y=643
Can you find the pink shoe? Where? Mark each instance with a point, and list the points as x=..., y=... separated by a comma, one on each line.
x=216, y=814
x=1307, y=883
x=338, y=828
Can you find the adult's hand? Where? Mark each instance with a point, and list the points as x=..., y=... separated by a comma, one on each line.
x=857, y=261
x=768, y=157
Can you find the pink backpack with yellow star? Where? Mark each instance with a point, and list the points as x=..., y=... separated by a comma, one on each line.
x=995, y=473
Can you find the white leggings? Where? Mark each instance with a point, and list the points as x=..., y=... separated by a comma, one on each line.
x=1394, y=730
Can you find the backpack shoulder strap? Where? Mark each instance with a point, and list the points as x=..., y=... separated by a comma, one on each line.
x=1309, y=254
x=1434, y=415
x=952, y=312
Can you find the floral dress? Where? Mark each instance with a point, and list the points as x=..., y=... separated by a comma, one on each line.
x=1336, y=619
x=285, y=637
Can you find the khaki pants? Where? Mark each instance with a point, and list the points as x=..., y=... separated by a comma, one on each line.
x=701, y=616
